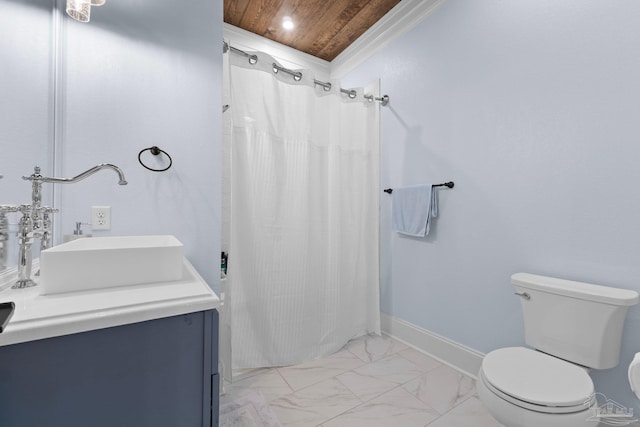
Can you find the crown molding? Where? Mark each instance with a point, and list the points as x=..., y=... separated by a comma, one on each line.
x=402, y=18
x=287, y=56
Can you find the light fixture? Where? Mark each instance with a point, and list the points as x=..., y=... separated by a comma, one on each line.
x=287, y=23
x=80, y=10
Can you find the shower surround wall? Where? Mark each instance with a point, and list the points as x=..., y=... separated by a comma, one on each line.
x=532, y=109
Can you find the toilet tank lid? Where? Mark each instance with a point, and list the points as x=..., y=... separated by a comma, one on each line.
x=580, y=290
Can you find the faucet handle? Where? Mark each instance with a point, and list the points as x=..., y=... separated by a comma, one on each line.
x=34, y=175
x=48, y=210
x=4, y=209
x=24, y=209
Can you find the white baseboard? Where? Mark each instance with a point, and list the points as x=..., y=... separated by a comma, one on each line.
x=451, y=353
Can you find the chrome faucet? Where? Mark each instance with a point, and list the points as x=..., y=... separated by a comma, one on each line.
x=25, y=239
x=36, y=220
x=4, y=238
x=36, y=177
x=4, y=234
x=37, y=180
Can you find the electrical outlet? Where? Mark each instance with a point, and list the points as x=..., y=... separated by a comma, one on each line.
x=101, y=217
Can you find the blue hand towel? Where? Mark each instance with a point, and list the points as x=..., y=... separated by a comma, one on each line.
x=412, y=209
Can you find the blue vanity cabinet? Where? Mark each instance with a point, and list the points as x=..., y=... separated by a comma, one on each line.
x=158, y=373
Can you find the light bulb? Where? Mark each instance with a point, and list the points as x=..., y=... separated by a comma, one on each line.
x=98, y=2
x=287, y=23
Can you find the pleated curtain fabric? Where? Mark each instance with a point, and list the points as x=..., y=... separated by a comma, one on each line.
x=304, y=216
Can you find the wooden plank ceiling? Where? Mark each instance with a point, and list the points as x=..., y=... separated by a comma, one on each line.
x=323, y=28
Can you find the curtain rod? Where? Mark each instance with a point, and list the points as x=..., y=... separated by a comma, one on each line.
x=297, y=75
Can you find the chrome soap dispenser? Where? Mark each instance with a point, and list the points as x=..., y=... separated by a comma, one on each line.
x=77, y=234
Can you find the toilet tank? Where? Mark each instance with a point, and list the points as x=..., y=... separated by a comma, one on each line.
x=578, y=322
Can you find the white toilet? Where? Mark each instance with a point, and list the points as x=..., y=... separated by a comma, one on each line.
x=572, y=326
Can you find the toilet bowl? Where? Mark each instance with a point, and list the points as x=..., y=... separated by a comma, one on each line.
x=524, y=388
x=571, y=325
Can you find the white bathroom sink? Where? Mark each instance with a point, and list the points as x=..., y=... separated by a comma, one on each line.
x=105, y=262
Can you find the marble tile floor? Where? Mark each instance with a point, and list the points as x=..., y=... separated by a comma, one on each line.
x=373, y=381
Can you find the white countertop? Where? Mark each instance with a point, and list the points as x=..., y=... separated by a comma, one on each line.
x=45, y=316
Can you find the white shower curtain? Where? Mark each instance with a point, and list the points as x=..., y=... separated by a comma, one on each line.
x=304, y=195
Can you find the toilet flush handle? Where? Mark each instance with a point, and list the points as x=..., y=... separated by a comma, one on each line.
x=523, y=295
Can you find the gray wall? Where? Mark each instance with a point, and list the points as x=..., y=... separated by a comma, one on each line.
x=141, y=73
x=26, y=99
x=144, y=73
x=532, y=108
x=26, y=103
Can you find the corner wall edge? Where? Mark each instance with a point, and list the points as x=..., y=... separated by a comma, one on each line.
x=461, y=358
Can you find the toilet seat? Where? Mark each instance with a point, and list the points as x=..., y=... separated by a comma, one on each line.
x=537, y=381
